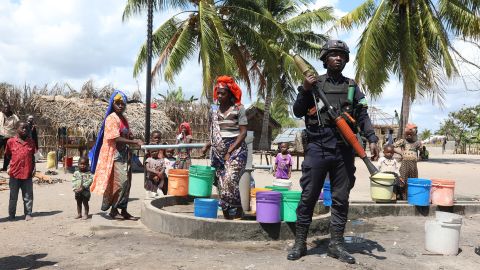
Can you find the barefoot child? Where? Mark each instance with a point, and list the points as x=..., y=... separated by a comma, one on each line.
x=82, y=179
x=409, y=151
x=170, y=163
x=283, y=163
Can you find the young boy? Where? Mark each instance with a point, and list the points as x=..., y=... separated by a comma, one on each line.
x=81, y=181
x=21, y=150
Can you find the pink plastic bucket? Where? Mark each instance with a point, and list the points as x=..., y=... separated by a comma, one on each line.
x=268, y=206
x=442, y=192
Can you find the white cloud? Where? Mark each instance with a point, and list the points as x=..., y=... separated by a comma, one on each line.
x=51, y=41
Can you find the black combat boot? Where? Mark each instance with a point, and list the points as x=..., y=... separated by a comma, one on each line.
x=300, y=247
x=336, y=248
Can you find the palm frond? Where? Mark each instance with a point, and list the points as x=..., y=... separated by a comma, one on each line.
x=308, y=19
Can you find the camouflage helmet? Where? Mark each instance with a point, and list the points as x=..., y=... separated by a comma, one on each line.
x=334, y=45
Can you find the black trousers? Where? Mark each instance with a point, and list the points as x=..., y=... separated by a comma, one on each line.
x=339, y=163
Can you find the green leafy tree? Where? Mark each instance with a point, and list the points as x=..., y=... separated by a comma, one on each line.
x=463, y=126
x=412, y=40
x=176, y=96
x=222, y=35
x=278, y=78
x=425, y=134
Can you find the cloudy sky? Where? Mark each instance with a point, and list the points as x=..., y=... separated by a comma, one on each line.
x=72, y=41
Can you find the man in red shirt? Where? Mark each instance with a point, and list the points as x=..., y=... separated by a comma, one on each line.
x=21, y=149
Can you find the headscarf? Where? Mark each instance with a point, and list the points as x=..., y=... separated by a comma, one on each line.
x=412, y=127
x=93, y=154
x=228, y=82
x=187, y=127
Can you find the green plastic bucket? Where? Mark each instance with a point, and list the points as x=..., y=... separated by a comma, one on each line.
x=290, y=201
x=275, y=188
x=200, y=180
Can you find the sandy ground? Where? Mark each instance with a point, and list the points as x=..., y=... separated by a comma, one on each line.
x=54, y=240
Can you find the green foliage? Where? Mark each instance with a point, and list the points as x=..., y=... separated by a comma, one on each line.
x=176, y=96
x=410, y=39
x=279, y=111
x=463, y=126
x=425, y=134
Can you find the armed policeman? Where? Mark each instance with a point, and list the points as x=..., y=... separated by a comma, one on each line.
x=326, y=149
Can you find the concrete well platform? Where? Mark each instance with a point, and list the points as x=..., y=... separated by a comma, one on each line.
x=174, y=216
x=183, y=224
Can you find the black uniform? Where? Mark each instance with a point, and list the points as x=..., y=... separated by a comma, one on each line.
x=327, y=152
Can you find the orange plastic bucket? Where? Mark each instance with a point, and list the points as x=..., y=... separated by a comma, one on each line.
x=178, y=182
x=442, y=192
x=253, y=198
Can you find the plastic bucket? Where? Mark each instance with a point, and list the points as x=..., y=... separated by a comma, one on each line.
x=418, y=191
x=178, y=182
x=68, y=162
x=442, y=237
x=327, y=193
x=51, y=157
x=206, y=208
x=381, y=186
x=282, y=183
x=200, y=180
x=276, y=188
x=447, y=217
x=253, y=198
x=268, y=206
x=290, y=201
x=442, y=192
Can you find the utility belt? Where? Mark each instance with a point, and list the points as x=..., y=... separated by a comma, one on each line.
x=311, y=134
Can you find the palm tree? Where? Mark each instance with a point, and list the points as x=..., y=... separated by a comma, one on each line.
x=280, y=76
x=412, y=40
x=223, y=33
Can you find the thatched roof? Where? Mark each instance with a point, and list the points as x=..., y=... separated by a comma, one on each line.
x=86, y=115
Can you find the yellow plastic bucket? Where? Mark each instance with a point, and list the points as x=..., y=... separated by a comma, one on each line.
x=51, y=156
x=381, y=187
x=253, y=198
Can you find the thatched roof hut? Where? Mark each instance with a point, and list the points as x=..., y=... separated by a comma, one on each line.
x=255, y=120
x=85, y=116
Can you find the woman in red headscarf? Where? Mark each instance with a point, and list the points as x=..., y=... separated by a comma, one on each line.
x=227, y=141
x=183, y=156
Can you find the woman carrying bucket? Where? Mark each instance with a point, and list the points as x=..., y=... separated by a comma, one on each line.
x=227, y=141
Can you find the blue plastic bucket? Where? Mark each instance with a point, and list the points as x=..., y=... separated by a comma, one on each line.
x=268, y=206
x=418, y=191
x=327, y=193
x=206, y=208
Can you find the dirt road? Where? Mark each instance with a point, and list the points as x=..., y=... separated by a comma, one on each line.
x=54, y=240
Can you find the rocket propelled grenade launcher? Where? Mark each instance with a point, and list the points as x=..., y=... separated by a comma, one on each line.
x=335, y=116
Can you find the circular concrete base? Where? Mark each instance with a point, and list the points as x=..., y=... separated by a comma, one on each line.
x=182, y=225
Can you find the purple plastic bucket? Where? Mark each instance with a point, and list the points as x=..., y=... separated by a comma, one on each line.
x=268, y=206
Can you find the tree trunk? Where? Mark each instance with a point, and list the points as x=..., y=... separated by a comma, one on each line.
x=405, y=112
x=264, y=137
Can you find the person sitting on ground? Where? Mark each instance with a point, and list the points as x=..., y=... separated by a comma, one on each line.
x=424, y=153
x=283, y=163
x=20, y=150
x=81, y=182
